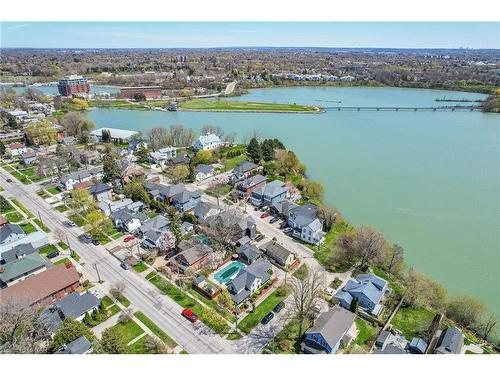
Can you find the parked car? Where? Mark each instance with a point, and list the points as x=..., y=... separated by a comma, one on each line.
x=260, y=237
x=9, y=180
x=329, y=291
x=128, y=238
x=274, y=220
x=189, y=315
x=287, y=230
x=264, y=208
x=53, y=254
x=70, y=223
x=279, y=307
x=95, y=242
x=267, y=318
x=283, y=225
x=85, y=238
x=125, y=265
x=264, y=215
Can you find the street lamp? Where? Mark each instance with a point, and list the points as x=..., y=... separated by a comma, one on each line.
x=97, y=270
x=236, y=313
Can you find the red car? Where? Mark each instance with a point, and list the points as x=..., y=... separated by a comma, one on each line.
x=189, y=315
x=129, y=238
x=264, y=215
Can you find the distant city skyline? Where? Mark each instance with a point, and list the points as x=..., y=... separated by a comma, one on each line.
x=477, y=35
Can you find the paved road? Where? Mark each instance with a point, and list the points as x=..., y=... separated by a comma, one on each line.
x=195, y=338
x=230, y=88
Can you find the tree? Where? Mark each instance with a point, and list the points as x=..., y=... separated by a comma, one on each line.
x=111, y=165
x=224, y=299
x=76, y=125
x=217, y=188
x=313, y=189
x=254, y=151
x=368, y=245
x=222, y=229
x=99, y=223
x=80, y=201
x=229, y=138
x=466, y=311
x=111, y=343
x=136, y=190
x=42, y=132
x=166, y=242
x=395, y=258
x=80, y=104
x=422, y=291
x=486, y=326
x=153, y=345
x=305, y=293
x=179, y=173
x=2, y=148
x=329, y=215
x=201, y=157
x=157, y=138
x=105, y=135
x=139, y=97
x=287, y=163
x=175, y=225
x=269, y=146
x=118, y=289
x=142, y=155
x=354, y=305
x=69, y=331
x=212, y=129
x=180, y=136
x=21, y=330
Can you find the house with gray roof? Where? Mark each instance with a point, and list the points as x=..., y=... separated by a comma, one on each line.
x=282, y=208
x=204, y=210
x=159, y=223
x=248, y=253
x=243, y=170
x=81, y=345
x=10, y=233
x=186, y=200
x=451, y=341
x=368, y=289
x=20, y=269
x=17, y=252
x=109, y=206
x=306, y=224
x=151, y=239
x=245, y=188
x=331, y=330
x=278, y=254
x=203, y=171
x=269, y=194
x=37, y=239
x=68, y=181
x=128, y=220
x=417, y=346
x=193, y=253
x=387, y=343
x=248, y=280
x=159, y=157
x=101, y=191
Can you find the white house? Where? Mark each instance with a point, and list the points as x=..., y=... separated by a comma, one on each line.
x=162, y=155
x=67, y=182
x=207, y=142
x=203, y=171
x=128, y=220
x=204, y=210
x=16, y=149
x=306, y=224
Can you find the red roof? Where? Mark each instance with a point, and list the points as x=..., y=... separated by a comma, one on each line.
x=82, y=185
x=15, y=146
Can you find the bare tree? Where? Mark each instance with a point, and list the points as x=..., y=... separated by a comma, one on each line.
x=118, y=289
x=125, y=315
x=223, y=228
x=21, y=329
x=166, y=242
x=217, y=188
x=181, y=136
x=157, y=138
x=395, y=258
x=212, y=129
x=328, y=214
x=368, y=244
x=156, y=346
x=230, y=137
x=305, y=294
x=487, y=325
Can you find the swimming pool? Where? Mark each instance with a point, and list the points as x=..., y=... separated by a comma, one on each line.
x=229, y=272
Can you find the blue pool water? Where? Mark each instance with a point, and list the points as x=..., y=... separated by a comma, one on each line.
x=228, y=273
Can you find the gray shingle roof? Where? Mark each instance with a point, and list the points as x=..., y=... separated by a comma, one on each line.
x=18, y=251
x=333, y=324
x=251, y=181
x=80, y=345
x=245, y=166
x=305, y=214
x=76, y=305
x=158, y=222
x=99, y=188
x=451, y=341
x=277, y=252
x=8, y=229
x=203, y=168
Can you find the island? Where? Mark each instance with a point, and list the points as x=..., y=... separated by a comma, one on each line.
x=203, y=105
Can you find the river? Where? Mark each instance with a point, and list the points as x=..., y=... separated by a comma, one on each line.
x=430, y=181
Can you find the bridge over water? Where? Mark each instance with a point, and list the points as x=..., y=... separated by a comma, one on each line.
x=434, y=109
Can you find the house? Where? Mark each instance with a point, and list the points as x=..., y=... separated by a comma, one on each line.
x=207, y=142
x=162, y=155
x=248, y=280
x=451, y=341
x=131, y=172
x=186, y=200
x=151, y=239
x=331, y=330
x=115, y=134
x=108, y=206
x=17, y=252
x=10, y=233
x=21, y=268
x=417, y=346
x=306, y=224
x=179, y=160
x=245, y=188
x=194, y=254
x=28, y=158
x=243, y=170
x=37, y=239
x=73, y=306
x=90, y=157
x=204, y=210
x=186, y=227
x=203, y=171
x=248, y=253
x=164, y=193
x=247, y=227
x=278, y=254
x=368, y=288
x=206, y=287
x=69, y=141
x=81, y=345
x=128, y=220
x=16, y=149
x=45, y=287
x=282, y=208
x=269, y=194
x=82, y=185
x=68, y=181
x=387, y=343
x=158, y=223
x=101, y=191
x=135, y=145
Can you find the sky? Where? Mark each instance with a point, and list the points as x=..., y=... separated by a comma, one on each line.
x=248, y=34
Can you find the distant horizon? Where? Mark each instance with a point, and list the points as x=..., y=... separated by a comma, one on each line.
x=219, y=35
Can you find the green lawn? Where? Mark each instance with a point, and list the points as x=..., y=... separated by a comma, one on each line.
x=301, y=272
x=115, y=309
x=14, y=217
x=155, y=329
x=411, y=320
x=53, y=190
x=28, y=228
x=237, y=105
x=47, y=249
x=62, y=208
x=22, y=208
x=106, y=302
x=367, y=333
x=231, y=163
x=41, y=225
x=22, y=178
x=124, y=301
x=287, y=341
x=62, y=261
x=77, y=219
x=212, y=304
x=138, y=347
x=75, y=255
x=253, y=319
x=140, y=267
x=128, y=330
x=63, y=245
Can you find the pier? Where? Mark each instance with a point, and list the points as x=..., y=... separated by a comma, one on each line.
x=396, y=109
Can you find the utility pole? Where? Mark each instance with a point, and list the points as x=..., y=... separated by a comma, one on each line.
x=236, y=313
x=39, y=216
x=69, y=246
x=97, y=270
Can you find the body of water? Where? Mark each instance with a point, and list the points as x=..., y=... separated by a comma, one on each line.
x=430, y=181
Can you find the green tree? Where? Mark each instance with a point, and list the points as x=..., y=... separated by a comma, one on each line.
x=179, y=173
x=42, y=132
x=142, y=155
x=105, y=135
x=269, y=146
x=136, y=191
x=201, y=157
x=466, y=311
x=69, y=331
x=99, y=223
x=224, y=299
x=254, y=151
x=111, y=343
x=354, y=305
x=111, y=165
x=2, y=148
x=139, y=97
x=313, y=190
x=76, y=125
x=175, y=226
x=81, y=201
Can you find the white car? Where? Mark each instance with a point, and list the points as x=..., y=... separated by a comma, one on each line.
x=329, y=291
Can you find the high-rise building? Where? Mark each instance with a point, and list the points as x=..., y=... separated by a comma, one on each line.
x=73, y=85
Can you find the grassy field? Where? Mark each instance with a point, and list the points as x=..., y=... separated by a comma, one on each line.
x=41, y=225
x=14, y=217
x=128, y=330
x=155, y=329
x=367, y=333
x=24, y=209
x=411, y=320
x=253, y=319
x=28, y=228
x=53, y=190
x=62, y=261
x=47, y=249
x=140, y=267
x=236, y=105
x=115, y=104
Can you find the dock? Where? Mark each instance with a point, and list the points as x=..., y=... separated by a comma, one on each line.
x=396, y=109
